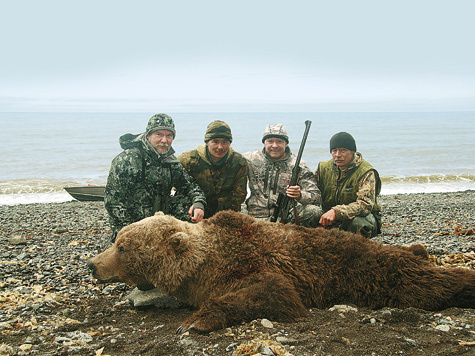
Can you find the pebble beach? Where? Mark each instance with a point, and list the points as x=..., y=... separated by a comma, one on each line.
x=44, y=279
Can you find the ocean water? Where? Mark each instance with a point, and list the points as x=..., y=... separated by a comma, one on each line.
x=413, y=151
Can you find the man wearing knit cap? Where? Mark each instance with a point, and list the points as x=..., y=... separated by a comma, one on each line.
x=142, y=176
x=270, y=171
x=220, y=171
x=349, y=186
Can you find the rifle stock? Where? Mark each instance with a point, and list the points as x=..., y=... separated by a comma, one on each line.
x=281, y=208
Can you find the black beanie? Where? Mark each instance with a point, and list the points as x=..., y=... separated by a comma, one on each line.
x=343, y=140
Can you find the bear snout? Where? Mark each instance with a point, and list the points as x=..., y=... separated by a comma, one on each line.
x=105, y=266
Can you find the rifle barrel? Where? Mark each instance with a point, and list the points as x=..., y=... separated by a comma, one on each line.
x=282, y=200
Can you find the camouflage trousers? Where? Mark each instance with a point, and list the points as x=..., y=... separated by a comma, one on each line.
x=308, y=215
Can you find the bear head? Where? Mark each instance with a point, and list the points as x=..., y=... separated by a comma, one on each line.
x=158, y=250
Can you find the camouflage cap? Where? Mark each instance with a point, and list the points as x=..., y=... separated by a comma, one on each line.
x=160, y=122
x=343, y=140
x=218, y=129
x=275, y=130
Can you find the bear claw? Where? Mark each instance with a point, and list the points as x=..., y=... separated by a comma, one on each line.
x=183, y=329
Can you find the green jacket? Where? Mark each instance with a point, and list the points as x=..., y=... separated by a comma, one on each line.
x=140, y=181
x=352, y=192
x=224, y=184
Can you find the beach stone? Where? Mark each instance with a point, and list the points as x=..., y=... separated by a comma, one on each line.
x=79, y=337
x=108, y=290
x=139, y=298
x=265, y=350
x=6, y=349
x=62, y=340
x=231, y=347
x=60, y=230
x=444, y=328
x=25, y=347
x=267, y=324
x=343, y=308
x=17, y=240
x=188, y=342
x=282, y=339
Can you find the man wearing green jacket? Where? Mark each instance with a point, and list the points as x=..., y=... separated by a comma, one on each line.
x=349, y=187
x=142, y=176
x=220, y=171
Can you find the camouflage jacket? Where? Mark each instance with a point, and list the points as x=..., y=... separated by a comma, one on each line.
x=352, y=192
x=140, y=181
x=224, y=185
x=268, y=178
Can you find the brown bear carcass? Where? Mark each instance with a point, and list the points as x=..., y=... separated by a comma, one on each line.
x=235, y=268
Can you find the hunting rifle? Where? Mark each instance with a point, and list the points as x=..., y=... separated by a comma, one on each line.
x=281, y=208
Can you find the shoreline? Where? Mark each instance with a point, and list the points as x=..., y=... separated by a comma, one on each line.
x=61, y=196
x=428, y=218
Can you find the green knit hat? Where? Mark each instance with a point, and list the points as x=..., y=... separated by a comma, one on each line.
x=160, y=122
x=343, y=140
x=218, y=129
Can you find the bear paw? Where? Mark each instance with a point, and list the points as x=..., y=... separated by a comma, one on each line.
x=184, y=328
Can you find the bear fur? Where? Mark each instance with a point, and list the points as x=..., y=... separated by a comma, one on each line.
x=235, y=268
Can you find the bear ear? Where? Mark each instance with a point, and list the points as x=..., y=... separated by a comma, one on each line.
x=159, y=213
x=180, y=242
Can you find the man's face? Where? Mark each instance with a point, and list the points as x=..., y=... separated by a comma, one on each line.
x=161, y=140
x=218, y=147
x=342, y=157
x=275, y=148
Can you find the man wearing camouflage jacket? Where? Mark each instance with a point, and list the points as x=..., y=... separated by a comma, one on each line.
x=142, y=176
x=270, y=171
x=220, y=171
x=349, y=186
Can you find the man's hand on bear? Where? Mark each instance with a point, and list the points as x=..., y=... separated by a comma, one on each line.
x=328, y=218
x=196, y=214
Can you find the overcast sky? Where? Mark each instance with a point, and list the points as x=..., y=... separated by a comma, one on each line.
x=241, y=55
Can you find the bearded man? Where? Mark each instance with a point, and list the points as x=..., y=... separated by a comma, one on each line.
x=142, y=176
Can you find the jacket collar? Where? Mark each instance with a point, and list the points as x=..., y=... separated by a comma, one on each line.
x=288, y=155
x=204, y=155
x=357, y=160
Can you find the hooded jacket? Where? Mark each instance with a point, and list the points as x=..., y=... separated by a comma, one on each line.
x=140, y=182
x=224, y=183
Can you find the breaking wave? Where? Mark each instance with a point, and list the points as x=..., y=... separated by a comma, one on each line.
x=437, y=183
x=30, y=191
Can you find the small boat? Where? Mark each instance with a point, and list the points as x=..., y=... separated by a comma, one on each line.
x=87, y=193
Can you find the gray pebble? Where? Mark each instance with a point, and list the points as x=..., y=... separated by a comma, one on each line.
x=17, y=240
x=444, y=328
